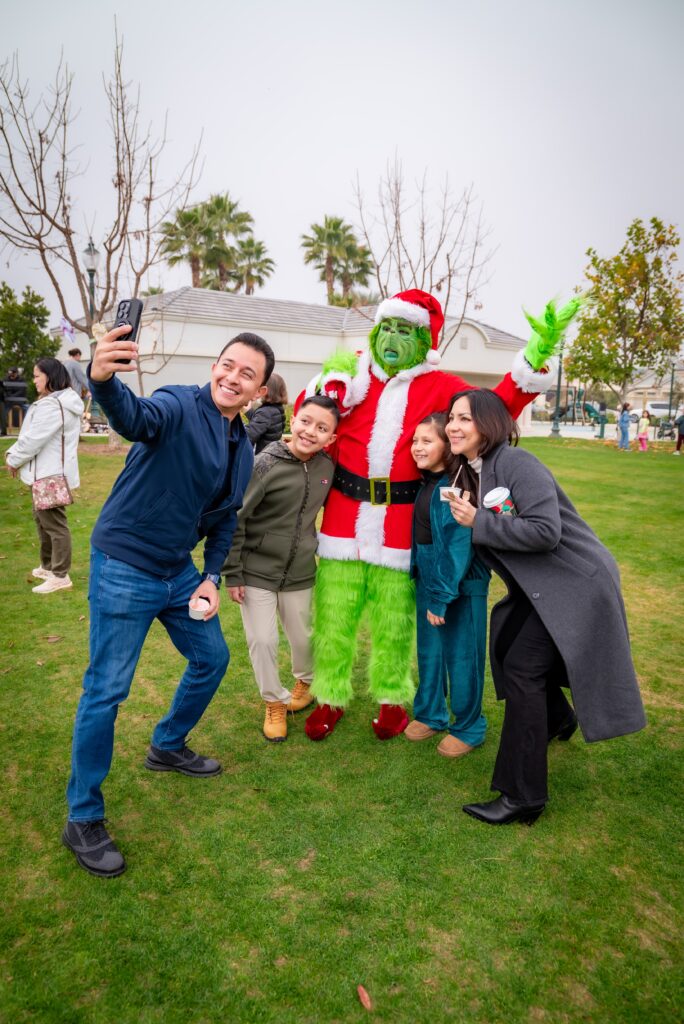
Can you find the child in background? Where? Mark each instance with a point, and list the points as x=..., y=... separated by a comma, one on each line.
x=642, y=431
x=271, y=566
x=451, y=604
x=266, y=423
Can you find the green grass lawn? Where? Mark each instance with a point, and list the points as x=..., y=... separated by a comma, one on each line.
x=272, y=891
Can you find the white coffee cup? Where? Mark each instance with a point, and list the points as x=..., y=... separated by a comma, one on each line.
x=198, y=608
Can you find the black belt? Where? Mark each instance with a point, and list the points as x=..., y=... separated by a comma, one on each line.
x=378, y=490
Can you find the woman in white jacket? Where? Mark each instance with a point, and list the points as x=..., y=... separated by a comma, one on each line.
x=38, y=453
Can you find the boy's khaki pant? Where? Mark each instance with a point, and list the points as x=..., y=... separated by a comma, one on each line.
x=260, y=612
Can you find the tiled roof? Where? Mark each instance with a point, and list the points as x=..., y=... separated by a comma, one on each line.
x=204, y=304
x=201, y=303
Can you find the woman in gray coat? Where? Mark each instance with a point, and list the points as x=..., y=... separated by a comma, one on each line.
x=563, y=620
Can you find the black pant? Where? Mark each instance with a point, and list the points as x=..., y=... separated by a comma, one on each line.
x=535, y=708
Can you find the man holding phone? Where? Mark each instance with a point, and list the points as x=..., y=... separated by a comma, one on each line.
x=183, y=481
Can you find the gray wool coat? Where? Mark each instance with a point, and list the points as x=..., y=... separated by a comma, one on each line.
x=572, y=582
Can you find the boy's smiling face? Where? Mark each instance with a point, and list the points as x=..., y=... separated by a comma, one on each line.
x=313, y=428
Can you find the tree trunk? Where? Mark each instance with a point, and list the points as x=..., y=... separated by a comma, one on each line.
x=329, y=280
x=195, y=268
x=141, y=386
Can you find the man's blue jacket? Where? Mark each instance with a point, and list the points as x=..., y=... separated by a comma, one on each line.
x=183, y=480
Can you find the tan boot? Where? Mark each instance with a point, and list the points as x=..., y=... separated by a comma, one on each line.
x=275, y=722
x=451, y=746
x=418, y=731
x=301, y=696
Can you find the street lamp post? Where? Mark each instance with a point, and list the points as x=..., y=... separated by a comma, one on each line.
x=555, y=426
x=669, y=404
x=91, y=261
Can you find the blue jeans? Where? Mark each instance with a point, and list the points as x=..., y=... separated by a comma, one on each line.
x=624, y=437
x=124, y=601
x=455, y=652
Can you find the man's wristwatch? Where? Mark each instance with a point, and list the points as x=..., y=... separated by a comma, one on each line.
x=213, y=578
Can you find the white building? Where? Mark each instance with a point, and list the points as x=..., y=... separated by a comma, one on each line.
x=183, y=331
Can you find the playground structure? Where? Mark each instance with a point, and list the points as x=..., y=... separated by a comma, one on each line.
x=94, y=420
x=575, y=409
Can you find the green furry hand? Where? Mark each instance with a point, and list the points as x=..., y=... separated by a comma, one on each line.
x=547, y=333
x=341, y=361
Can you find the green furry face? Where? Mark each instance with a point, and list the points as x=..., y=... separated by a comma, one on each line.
x=398, y=345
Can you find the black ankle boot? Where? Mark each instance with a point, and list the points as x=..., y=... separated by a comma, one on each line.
x=504, y=811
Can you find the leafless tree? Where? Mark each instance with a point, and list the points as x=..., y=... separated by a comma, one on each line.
x=38, y=171
x=152, y=354
x=436, y=245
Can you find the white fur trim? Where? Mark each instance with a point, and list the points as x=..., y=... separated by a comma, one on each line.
x=370, y=531
x=389, y=419
x=346, y=549
x=361, y=381
x=414, y=371
x=530, y=381
x=402, y=311
x=311, y=387
x=409, y=374
x=343, y=378
x=433, y=357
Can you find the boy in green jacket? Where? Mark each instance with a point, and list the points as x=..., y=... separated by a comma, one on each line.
x=271, y=567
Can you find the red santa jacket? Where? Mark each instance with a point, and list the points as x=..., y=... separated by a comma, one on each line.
x=374, y=442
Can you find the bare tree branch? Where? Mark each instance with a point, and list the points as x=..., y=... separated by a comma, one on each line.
x=418, y=243
x=38, y=170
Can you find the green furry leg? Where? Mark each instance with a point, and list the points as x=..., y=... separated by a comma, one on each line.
x=343, y=591
x=391, y=604
x=339, y=599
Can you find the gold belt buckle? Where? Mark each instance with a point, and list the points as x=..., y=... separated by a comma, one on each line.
x=374, y=481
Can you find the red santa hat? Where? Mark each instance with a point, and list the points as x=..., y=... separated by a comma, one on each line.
x=418, y=308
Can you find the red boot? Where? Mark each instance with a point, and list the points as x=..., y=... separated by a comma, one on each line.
x=322, y=721
x=391, y=721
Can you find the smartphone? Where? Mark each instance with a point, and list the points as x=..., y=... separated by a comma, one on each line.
x=129, y=311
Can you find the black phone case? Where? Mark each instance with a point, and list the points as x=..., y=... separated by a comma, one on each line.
x=129, y=311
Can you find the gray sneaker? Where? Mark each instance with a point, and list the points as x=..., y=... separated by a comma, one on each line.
x=93, y=848
x=184, y=761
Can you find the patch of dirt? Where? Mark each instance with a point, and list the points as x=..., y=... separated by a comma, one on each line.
x=306, y=862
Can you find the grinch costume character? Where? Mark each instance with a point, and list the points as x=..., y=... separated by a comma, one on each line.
x=365, y=538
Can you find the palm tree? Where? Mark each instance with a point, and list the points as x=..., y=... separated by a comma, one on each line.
x=185, y=240
x=325, y=248
x=225, y=221
x=355, y=267
x=252, y=265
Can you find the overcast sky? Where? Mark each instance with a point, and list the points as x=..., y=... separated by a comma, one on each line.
x=566, y=115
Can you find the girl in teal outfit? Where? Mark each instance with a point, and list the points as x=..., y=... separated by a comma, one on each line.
x=451, y=605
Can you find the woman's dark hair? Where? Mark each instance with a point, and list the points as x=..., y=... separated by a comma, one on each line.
x=494, y=424
x=323, y=402
x=625, y=407
x=438, y=420
x=57, y=377
x=259, y=345
x=491, y=417
x=276, y=391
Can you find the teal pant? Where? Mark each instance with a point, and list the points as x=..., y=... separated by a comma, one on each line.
x=451, y=660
